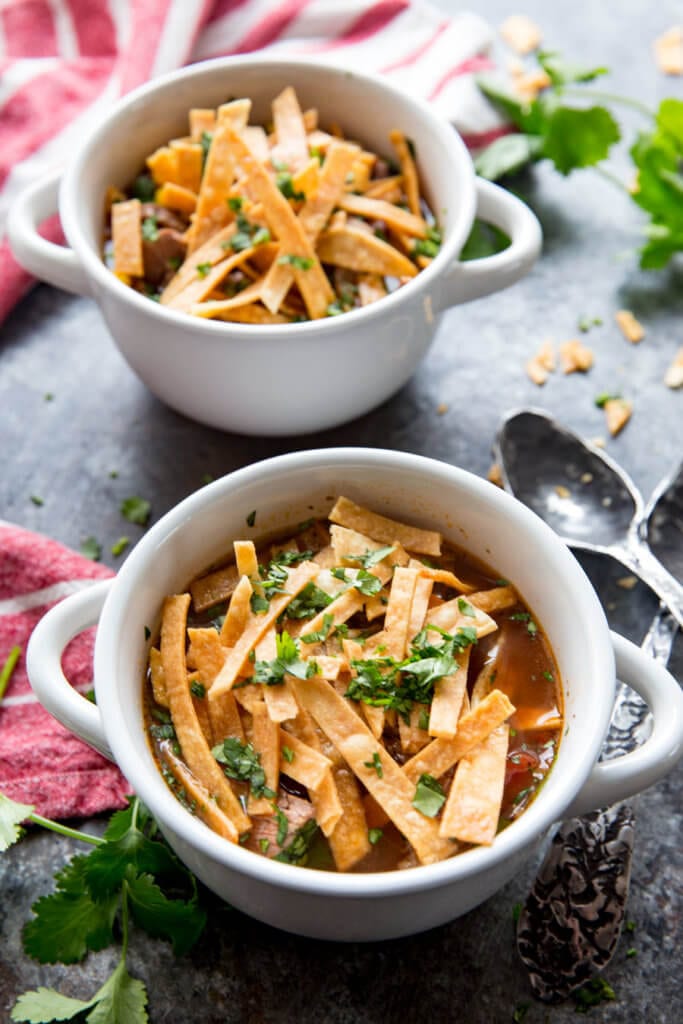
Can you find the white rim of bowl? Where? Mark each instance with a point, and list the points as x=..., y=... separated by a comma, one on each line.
x=151, y=788
x=92, y=261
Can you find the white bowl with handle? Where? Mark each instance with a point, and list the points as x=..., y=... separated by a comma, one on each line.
x=470, y=512
x=284, y=378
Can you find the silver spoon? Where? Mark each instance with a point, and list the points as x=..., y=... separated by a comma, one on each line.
x=571, y=921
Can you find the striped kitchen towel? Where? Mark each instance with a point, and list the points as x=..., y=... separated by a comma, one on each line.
x=64, y=62
x=41, y=763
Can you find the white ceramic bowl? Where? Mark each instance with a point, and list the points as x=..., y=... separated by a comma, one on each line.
x=285, y=378
x=470, y=512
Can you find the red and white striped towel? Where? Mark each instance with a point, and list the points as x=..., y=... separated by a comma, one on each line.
x=41, y=763
x=64, y=62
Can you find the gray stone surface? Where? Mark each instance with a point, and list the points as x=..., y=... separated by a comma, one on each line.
x=102, y=419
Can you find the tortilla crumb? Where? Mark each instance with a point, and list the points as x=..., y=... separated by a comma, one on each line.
x=528, y=86
x=442, y=408
x=574, y=355
x=617, y=414
x=562, y=491
x=669, y=51
x=597, y=442
x=627, y=582
x=586, y=478
x=541, y=364
x=495, y=474
x=673, y=378
x=521, y=33
x=632, y=330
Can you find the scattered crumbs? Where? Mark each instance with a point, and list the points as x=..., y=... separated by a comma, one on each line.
x=527, y=86
x=673, y=378
x=630, y=953
x=627, y=582
x=91, y=548
x=37, y=500
x=586, y=322
x=574, y=355
x=207, y=478
x=586, y=478
x=521, y=33
x=541, y=364
x=618, y=412
x=515, y=67
x=495, y=474
x=442, y=408
x=669, y=51
x=113, y=474
x=632, y=330
x=630, y=927
x=606, y=501
x=562, y=491
x=48, y=396
x=597, y=442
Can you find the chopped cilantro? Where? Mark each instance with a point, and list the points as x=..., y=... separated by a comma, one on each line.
x=604, y=397
x=198, y=689
x=242, y=761
x=235, y=203
x=251, y=518
x=548, y=675
x=261, y=236
x=7, y=670
x=173, y=262
x=367, y=583
x=374, y=836
x=148, y=632
x=520, y=1012
x=429, y=796
x=296, y=852
x=596, y=991
x=91, y=548
x=150, y=229
x=136, y=510
x=205, y=142
x=144, y=188
x=48, y=396
x=119, y=546
x=203, y=269
x=318, y=636
x=264, y=844
x=317, y=153
x=423, y=719
x=258, y=603
x=288, y=754
x=376, y=765
x=630, y=953
x=516, y=913
x=466, y=608
x=430, y=245
x=283, y=180
x=272, y=673
x=300, y=262
x=37, y=500
x=371, y=558
x=282, y=826
x=310, y=600
x=586, y=322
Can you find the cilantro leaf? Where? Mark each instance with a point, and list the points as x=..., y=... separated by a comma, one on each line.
x=296, y=851
x=67, y=924
x=11, y=816
x=136, y=510
x=242, y=761
x=429, y=796
x=579, y=138
x=179, y=921
x=121, y=1000
x=44, y=1005
x=564, y=72
x=367, y=583
x=310, y=600
x=91, y=548
x=371, y=558
x=507, y=155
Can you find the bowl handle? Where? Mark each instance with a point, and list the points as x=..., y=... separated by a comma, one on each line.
x=44, y=664
x=472, y=279
x=46, y=260
x=623, y=777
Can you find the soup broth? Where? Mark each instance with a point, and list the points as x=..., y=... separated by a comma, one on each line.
x=358, y=695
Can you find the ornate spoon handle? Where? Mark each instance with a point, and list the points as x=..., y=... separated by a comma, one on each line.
x=571, y=921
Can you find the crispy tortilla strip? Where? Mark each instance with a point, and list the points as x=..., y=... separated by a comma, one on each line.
x=378, y=209
x=247, y=695
x=387, y=531
x=341, y=609
x=245, y=558
x=213, y=588
x=238, y=614
x=356, y=249
x=280, y=699
x=257, y=626
x=163, y=166
x=235, y=112
x=284, y=224
x=497, y=599
x=257, y=140
x=156, y=676
x=349, y=544
x=447, y=577
x=218, y=307
x=204, y=282
x=472, y=809
x=206, y=653
x=265, y=738
x=420, y=605
x=212, y=252
x=408, y=170
x=194, y=747
x=225, y=717
x=375, y=718
x=176, y=197
x=201, y=120
x=412, y=735
x=213, y=211
x=312, y=218
x=327, y=805
x=438, y=756
x=330, y=666
x=204, y=806
x=393, y=791
x=292, y=145
x=190, y=162
x=302, y=762
x=385, y=188
x=447, y=701
x=201, y=708
x=370, y=288
x=254, y=313
x=310, y=117
x=126, y=231
x=450, y=616
x=397, y=617
x=359, y=178
x=307, y=179
x=349, y=840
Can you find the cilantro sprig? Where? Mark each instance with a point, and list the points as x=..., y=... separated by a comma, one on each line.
x=563, y=124
x=130, y=877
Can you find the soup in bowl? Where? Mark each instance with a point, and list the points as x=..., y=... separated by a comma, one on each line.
x=426, y=867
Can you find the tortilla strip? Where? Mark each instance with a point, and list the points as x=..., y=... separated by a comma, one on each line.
x=497, y=599
x=307, y=179
x=195, y=749
x=307, y=765
x=397, y=618
x=420, y=605
x=284, y=224
x=257, y=140
x=156, y=676
x=371, y=288
x=217, y=307
x=292, y=145
x=236, y=112
x=447, y=577
x=211, y=252
x=175, y=197
x=254, y=313
x=126, y=231
x=265, y=738
x=385, y=188
x=449, y=616
x=447, y=700
x=312, y=218
x=280, y=699
x=374, y=716
x=206, y=654
x=438, y=756
x=190, y=161
x=245, y=558
x=200, y=287
x=341, y=609
x=408, y=170
x=257, y=626
x=163, y=165
x=201, y=120
x=412, y=735
x=357, y=249
x=205, y=807
x=388, y=531
x=392, y=215
x=213, y=211
x=472, y=809
x=213, y=588
x=327, y=804
x=392, y=790
x=349, y=841
x=238, y=614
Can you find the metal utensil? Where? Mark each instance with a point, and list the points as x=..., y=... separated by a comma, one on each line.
x=572, y=918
